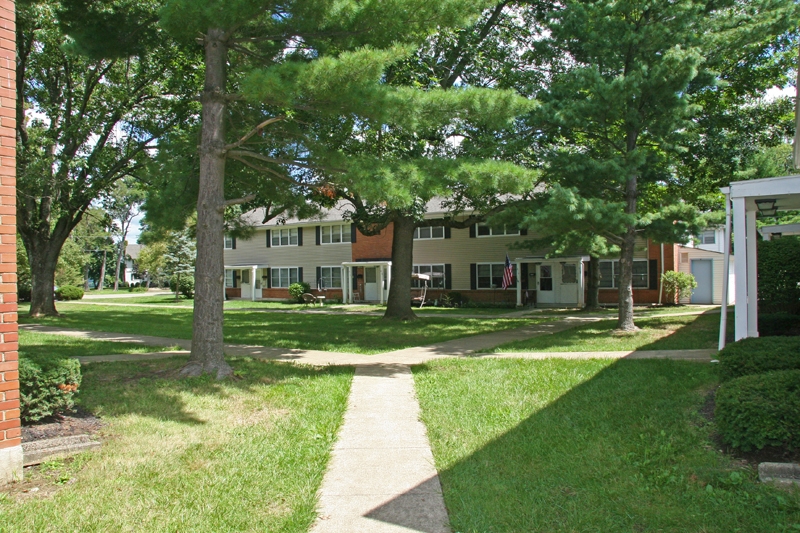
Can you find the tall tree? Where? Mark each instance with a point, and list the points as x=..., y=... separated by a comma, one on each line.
x=123, y=205
x=82, y=124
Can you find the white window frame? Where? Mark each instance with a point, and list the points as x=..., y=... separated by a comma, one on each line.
x=279, y=234
x=344, y=234
x=708, y=233
x=493, y=231
x=435, y=282
x=614, y=275
x=229, y=277
x=330, y=269
x=492, y=266
x=431, y=229
x=288, y=270
x=228, y=243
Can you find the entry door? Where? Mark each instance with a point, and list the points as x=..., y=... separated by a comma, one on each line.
x=371, y=284
x=703, y=272
x=544, y=284
x=246, y=284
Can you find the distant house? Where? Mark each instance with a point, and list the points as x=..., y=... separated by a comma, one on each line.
x=336, y=259
x=131, y=273
x=704, y=258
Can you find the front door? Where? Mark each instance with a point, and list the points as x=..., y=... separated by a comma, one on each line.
x=246, y=284
x=371, y=284
x=544, y=284
x=703, y=272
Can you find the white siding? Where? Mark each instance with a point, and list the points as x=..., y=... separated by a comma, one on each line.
x=685, y=256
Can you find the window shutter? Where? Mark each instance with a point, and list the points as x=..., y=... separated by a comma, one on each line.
x=653, y=274
x=299, y=236
x=319, y=235
x=233, y=243
x=448, y=274
x=523, y=275
x=523, y=231
x=473, y=275
x=319, y=278
x=447, y=232
x=269, y=238
x=235, y=279
x=268, y=271
x=353, y=233
x=300, y=275
x=472, y=231
x=355, y=278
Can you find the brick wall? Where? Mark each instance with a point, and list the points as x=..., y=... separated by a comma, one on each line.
x=10, y=438
x=375, y=247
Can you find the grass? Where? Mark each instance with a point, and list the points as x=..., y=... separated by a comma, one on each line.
x=656, y=333
x=638, y=311
x=38, y=345
x=565, y=445
x=339, y=333
x=191, y=454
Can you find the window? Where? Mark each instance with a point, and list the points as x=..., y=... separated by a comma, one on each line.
x=429, y=232
x=485, y=230
x=708, y=237
x=331, y=278
x=490, y=275
x=246, y=276
x=284, y=237
x=609, y=274
x=569, y=273
x=229, y=278
x=228, y=242
x=436, y=272
x=281, y=278
x=335, y=234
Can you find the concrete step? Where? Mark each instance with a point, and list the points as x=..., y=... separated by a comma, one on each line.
x=38, y=451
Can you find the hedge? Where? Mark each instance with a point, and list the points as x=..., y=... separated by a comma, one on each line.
x=187, y=285
x=68, y=292
x=779, y=274
x=756, y=355
x=778, y=324
x=47, y=387
x=760, y=410
x=297, y=290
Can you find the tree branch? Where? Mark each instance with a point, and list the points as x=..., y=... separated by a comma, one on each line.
x=255, y=130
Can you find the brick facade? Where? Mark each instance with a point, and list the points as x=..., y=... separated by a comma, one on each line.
x=10, y=432
x=376, y=247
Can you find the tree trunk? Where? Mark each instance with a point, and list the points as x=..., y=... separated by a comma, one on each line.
x=207, y=341
x=86, y=277
x=43, y=252
x=593, y=288
x=625, y=318
x=102, y=282
x=120, y=254
x=398, y=306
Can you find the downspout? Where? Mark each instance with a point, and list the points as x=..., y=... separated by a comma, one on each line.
x=661, y=279
x=723, y=318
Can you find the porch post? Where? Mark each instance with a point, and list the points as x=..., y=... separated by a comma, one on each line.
x=740, y=267
x=519, y=283
x=253, y=271
x=723, y=320
x=752, y=276
x=581, y=298
x=388, y=278
x=380, y=283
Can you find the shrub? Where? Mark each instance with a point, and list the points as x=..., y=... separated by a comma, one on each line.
x=297, y=290
x=779, y=274
x=187, y=285
x=677, y=285
x=68, y=292
x=451, y=299
x=757, y=355
x=778, y=324
x=760, y=410
x=47, y=387
x=137, y=289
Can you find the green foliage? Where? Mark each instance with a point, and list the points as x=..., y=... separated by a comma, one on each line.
x=47, y=386
x=23, y=273
x=779, y=274
x=760, y=410
x=297, y=290
x=140, y=288
x=778, y=324
x=179, y=254
x=756, y=355
x=678, y=285
x=71, y=262
x=183, y=284
x=69, y=292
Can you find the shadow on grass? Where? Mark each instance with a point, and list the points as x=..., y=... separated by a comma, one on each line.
x=702, y=331
x=154, y=388
x=586, y=446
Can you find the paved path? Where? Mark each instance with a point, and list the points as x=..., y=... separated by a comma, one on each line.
x=123, y=294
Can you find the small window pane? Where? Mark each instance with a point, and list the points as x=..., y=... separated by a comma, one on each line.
x=483, y=229
x=276, y=237
x=606, y=275
x=292, y=236
x=569, y=273
x=245, y=276
x=293, y=276
x=326, y=234
x=336, y=278
x=346, y=235
x=425, y=233
x=437, y=232
x=336, y=234
x=284, y=237
x=640, y=274
x=484, y=270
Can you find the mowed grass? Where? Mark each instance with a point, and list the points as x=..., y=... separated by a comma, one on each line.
x=656, y=333
x=565, y=445
x=42, y=345
x=191, y=454
x=339, y=332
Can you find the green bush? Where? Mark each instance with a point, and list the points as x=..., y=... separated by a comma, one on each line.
x=68, y=292
x=779, y=274
x=757, y=355
x=47, y=387
x=297, y=290
x=778, y=324
x=677, y=285
x=138, y=289
x=760, y=410
x=187, y=285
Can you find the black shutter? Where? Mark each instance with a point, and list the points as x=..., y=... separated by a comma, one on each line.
x=448, y=276
x=355, y=279
x=235, y=279
x=653, y=274
x=353, y=232
x=269, y=280
x=523, y=231
x=233, y=243
x=473, y=275
x=472, y=231
x=300, y=275
x=523, y=275
x=319, y=235
x=299, y=236
x=447, y=233
x=269, y=238
x=319, y=277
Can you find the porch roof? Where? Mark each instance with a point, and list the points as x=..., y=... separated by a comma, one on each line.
x=558, y=259
x=366, y=263
x=245, y=265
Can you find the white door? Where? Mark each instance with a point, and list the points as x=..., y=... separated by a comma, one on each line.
x=544, y=284
x=371, y=284
x=703, y=272
x=568, y=293
x=246, y=285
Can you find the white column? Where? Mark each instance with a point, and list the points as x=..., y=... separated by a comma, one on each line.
x=347, y=282
x=581, y=299
x=253, y=272
x=752, y=276
x=388, y=280
x=723, y=316
x=740, y=266
x=519, y=283
x=380, y=283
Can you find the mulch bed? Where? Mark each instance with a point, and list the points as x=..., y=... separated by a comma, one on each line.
x=78, y=422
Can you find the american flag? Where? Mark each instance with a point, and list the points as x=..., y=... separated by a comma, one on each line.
x=508, y=274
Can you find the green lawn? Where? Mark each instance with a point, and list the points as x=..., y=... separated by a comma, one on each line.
x=340, y=332
x=443, y=311
x=191, y=454
x=564, y=445
x=39, y=345
x=638, y=311
x=658, y=333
